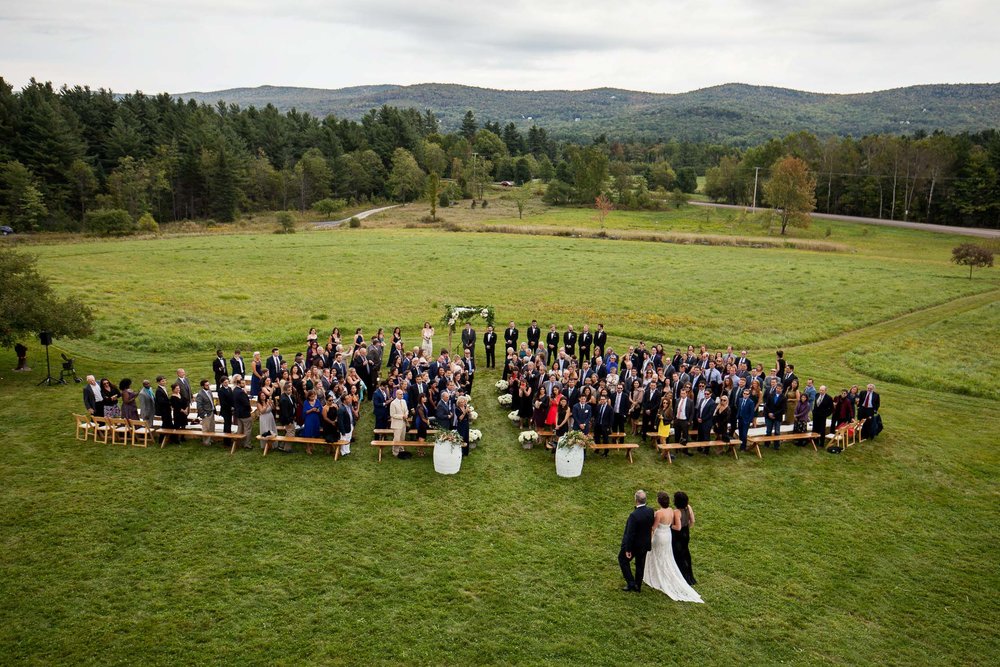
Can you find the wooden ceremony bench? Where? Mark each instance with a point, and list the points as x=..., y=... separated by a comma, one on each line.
x=626, y=446
x=785, y=437
x=386, y=433
x=382, y=444
x=666, y=448
x=546, y=437
x=617, y=438
x=191, y=433
x=308, y=442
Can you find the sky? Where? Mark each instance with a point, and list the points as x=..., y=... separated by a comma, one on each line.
x=838, y=46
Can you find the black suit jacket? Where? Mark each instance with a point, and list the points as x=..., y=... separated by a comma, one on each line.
x=552, y=339
x=863, y=401
x=534, y=335
x=569, y=340
x=604, y=423
x=510, y=337
x=638, y=536
x=161, y=400
x=586, y=339
x=238, y=366
x=601, y=340
x=225, y=399
x=219, y=368
x=822, y=409
x=489, y=340
x=241, y=402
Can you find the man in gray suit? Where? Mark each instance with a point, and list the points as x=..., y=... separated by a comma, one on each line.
x=469, y=339
x=206, y=411
x=185, y=386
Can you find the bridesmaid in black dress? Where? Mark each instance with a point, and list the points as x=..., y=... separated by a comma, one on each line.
x=682, y=537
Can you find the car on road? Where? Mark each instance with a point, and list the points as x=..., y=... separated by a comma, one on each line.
x=5, y=230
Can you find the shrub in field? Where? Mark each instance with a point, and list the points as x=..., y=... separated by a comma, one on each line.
x=109, y=222
x=970, y=254
x=329, y=206
x=354, y=222
x=286, y=223
x=148, y=225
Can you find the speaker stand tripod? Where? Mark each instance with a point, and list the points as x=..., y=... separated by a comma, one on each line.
x=49, y=380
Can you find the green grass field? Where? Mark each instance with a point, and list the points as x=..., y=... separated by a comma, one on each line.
x=885, y=554
x=959, y=354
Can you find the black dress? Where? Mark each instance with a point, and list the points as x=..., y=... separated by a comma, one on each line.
x=722, y=425
x=179, y=409
x=331, y=431
x=682, y=555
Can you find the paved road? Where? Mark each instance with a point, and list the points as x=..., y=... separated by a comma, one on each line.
x=944, y=229
x=328, y=224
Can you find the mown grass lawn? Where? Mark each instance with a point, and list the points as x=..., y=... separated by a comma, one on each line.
x=960, y=354
x=885, y=554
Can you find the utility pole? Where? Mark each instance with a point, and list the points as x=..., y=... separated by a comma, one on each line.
x=475, y=176
x=756, y=171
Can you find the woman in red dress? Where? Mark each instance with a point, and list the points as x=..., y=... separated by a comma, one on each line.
x=553, y=415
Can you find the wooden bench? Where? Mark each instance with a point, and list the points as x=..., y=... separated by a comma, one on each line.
x=382, y=444
x=617, y=438
x=785, y=437
x=191, y=433
x=626, y=446
x=666, y=448
x=546, y=437
x=386, y=433
x=308, y=442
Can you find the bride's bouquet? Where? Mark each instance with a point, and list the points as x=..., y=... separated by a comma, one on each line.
x=502, y=385
x=504, y=399
x=575, y=439
x=513, y=416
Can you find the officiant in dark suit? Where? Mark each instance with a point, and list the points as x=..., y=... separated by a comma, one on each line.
x=469, y=338
x=636, y=543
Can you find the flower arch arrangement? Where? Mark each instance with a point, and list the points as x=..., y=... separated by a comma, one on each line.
x=456, y=315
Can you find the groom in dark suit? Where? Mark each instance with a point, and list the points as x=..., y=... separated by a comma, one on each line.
x=636, y=542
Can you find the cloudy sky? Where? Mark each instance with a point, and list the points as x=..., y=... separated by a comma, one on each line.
x=653, y=45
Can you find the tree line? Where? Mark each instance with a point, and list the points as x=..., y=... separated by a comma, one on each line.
x=77, y=158
x=937, y=178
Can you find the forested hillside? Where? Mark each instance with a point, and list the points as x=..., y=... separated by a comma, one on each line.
x=735, y=114
x=83, y=159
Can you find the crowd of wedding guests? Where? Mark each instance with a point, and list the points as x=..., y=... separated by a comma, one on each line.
x=573, y=380
x=556, y=380
x=316, y=393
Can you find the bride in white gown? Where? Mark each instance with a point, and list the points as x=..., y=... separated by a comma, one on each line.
x=661, y=569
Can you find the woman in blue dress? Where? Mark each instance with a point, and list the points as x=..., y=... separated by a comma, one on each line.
x=256, y=374
x=311, y=414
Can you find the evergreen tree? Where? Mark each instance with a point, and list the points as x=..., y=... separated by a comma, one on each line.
x=469, y=125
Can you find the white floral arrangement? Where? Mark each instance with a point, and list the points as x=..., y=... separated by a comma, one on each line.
x=527, y=436
x=475, y=435
x=452, y=438
x=574, y=439
x=502, y=385
x=505, y=399
x=514, y=417
x=484, y=313
x=473, y=415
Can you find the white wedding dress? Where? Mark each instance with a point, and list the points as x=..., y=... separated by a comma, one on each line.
x=661, y=571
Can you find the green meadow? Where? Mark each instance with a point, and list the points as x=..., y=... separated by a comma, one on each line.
x=884, y=554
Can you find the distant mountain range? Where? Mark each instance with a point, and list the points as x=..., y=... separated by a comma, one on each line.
x=733, y=113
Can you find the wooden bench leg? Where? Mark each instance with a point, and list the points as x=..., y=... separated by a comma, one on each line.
x=756, y=447
x=732, y=448
x=336, y=452
x=812, y=441
x=232, y=450
x=380, y=454
x=267, y=447
x=628, y=452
